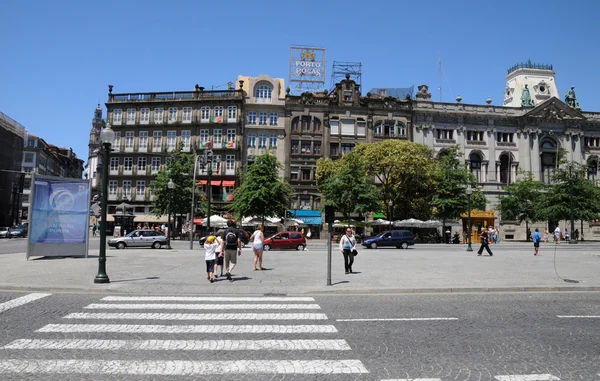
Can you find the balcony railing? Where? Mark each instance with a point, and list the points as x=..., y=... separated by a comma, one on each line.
x=175, y=95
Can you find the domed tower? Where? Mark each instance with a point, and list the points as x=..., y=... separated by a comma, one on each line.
x=535, y=80
x=94, y=147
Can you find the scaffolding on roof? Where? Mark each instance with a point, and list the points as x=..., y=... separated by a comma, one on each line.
x=341, y=69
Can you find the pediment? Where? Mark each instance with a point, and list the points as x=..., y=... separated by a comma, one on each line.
x=554, y=109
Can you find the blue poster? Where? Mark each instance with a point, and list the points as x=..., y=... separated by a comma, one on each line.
x=59, y=211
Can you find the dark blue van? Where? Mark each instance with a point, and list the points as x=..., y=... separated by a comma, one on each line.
x=391, y=238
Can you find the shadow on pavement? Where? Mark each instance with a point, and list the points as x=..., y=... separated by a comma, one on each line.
x=133, y=280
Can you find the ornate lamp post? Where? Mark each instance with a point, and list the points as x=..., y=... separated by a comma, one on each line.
x=390, y=204
x=170, y=186
x=198, y=160
x=107, y=136
x=469, y=190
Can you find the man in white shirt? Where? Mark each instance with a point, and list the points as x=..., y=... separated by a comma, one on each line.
x=557, y=234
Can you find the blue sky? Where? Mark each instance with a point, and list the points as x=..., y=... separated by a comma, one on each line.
x=59, y=56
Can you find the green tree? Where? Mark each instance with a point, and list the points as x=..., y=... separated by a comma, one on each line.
x=262, y=192
x=570, y=188
x=522, y=200
x=347, y=186
x=450, y=199
x=405, y=171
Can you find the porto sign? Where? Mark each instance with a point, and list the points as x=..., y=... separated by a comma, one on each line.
x=307, y=64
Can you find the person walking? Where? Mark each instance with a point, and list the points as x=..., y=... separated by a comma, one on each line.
x=557, y=235
x=94, y=230
x=210, y=246
x=257, y=239
x=347, y=246
x=484, y=243
x=536, y=242
x=546, y=235
x=219, y=253
x=232, y=247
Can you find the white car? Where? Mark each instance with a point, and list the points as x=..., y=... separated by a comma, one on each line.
x=4, y=231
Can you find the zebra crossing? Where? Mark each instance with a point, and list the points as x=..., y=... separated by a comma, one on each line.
x=115, y=335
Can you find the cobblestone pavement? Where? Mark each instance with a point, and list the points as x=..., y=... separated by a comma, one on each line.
x=504, y=337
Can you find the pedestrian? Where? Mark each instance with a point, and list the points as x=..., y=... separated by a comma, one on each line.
x=528, y=234
x=546, y=235
x=308, y=234
x=347, y=247
x=557, y=235
x=536, y=242
x=484, y=243
x=219, y=253
x=94, y=230
x=210, y=246
x=232, y=247
x=576, y=235
x=567, y=234
x=257, y=239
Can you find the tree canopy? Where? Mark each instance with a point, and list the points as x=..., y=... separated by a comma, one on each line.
x=522, y=200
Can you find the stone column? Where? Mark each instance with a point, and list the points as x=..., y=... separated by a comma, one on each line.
x=535, y=156
x=491, y=175
x=524, y=152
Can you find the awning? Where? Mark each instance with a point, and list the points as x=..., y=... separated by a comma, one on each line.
x=198, y=221
x=378, y=215
x=305, y=213
x=150, y=218
x=228, y=183
x=215, y=182
x=202, y=182
x=312, y=220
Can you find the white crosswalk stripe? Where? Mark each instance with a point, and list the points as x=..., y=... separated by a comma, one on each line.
x=527, y=377
x=20, y=301
x=133, y=339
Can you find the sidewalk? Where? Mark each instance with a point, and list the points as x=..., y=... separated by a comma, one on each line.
x=421, y=268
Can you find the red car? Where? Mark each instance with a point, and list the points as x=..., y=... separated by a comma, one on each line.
x=285, y=240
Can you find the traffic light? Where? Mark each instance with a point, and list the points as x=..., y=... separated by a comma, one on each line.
x=329, y=214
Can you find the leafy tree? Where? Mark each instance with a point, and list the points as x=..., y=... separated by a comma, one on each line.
x=405, y=171
x=570, y=180
x=521, y=202
x=450, y=199
x=347, y=186
x=262, y=192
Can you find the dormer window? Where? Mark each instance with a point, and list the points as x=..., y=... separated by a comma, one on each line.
x=347, y=95
x=263, y=94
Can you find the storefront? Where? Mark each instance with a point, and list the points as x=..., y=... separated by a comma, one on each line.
x=311, y=219
x=480, y=219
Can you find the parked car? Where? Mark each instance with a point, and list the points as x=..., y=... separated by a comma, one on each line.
x=140, y=238
x=4, y=232
x=242, y=234
x=285, y=240
x=394, y=238
x=18, y=231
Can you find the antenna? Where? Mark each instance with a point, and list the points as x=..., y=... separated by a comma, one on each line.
x=440, y=75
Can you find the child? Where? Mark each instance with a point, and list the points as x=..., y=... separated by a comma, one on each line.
x=210, y=246
x=219, y=254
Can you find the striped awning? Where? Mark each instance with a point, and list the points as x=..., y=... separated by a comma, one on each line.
x=150, y=218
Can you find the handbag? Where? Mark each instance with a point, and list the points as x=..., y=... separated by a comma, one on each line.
x=355, y=252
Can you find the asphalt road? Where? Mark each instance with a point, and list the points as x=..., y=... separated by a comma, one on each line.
x=517, y=337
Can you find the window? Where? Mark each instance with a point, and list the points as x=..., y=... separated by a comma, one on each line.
x=316, y=125
x=401, y=129
x=306, y=124
x=30, y=143
x=263, y=93
x=306, y=149
x=205, y=114
x=316, y=148
x=295, y=145
x=187, y=115
x=361, y=128
x=252, y=140
x=171, y=140
x=274, y=119
x=230, y=138
x=334, y=149
x=186, y=139
x=143, y=141
x=306, y=174
x=117, y=116
x=203, y=137
x=144, y=115
x=28, y=157
x=475, y=136
x=273, y=140
x=216, y=163
x=126, y=189
x=112, y=187
x=129, y=136
x=231, y=113
x=592, y=168
x=117, y=144
x=334, y=125
x=155, y=167
x=475, y=165
x=140, y=188
x=347, y=95
x=262, y=140
x=347, y=126
x=141, y=163
x=347, y=147
x=159, y=115
x=172, y=114
x=217, y=137
x=130, y=116
x=128, y=164
x=296, y=124
x=445, y=134
x=218, y=117
x=262, y=118
x=504, y=137
x=229, y=162
x=156, y=141
x=114, y=163
x=251, y=117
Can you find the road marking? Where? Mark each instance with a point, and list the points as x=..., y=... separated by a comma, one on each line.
x=414, y=379
x=578, y=316
x=131, y=328
x=177, y=316
x=207, y=299
x=528, y=377
x=179, y=345
x=20, y=301
x=156, y=306
x=398, y=319
x=182, y=367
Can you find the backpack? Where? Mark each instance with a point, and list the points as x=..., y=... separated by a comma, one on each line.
x=231, y=239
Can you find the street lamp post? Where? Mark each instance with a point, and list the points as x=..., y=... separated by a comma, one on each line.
x=107, y=136
x=390, y=204
x=170, y=186
x=469, y=191
x=572, y=239
x=208, y=160
x=197, y=158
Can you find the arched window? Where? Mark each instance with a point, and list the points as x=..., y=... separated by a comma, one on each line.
x=316, y=125
x=548, y=158
x=377, y=128
x=475, y=165
x=296, y=124
x=506, y=160
x=263, y=93
x=592, y=168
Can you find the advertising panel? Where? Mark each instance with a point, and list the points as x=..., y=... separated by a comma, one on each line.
x=307, y=65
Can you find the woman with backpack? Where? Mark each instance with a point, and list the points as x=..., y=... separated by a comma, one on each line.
x=257, y=239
